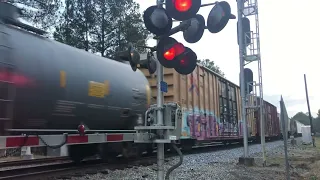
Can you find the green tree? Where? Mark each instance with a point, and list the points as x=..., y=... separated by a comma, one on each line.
x=65, y=31
x=43, y=14
x=76, y=24
x=84, y=21
x=318, y=114
x=211, y=65
x=118, y=23
x=101, y=26
x=304, y=119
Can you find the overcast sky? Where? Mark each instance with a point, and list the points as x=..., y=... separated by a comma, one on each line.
x=290, y=40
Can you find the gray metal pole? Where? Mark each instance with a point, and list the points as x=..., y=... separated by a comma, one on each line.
x=285, y=140
x=242, y=83
x=160, y=146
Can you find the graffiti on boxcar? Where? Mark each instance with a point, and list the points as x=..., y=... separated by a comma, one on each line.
x=202, y=126
x=194, y=85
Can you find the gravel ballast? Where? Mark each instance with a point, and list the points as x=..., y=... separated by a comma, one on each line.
x=218, y=165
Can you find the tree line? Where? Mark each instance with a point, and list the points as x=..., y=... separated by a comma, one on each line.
x=97, y=26
x=102, y=27
x=304, y=119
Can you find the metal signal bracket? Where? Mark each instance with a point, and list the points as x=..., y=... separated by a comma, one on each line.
x=172, y=115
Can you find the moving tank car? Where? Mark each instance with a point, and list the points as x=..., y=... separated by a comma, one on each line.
x=48, y=86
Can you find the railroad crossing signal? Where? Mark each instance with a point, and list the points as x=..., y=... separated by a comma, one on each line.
x=157, y=20
x=170, y=52
x=182, y=9
x=133, y=57
x=150, y=64
x=219, y=17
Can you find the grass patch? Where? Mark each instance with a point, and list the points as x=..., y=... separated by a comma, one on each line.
x=317, y=143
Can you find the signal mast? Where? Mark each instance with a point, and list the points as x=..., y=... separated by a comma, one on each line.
x=249, y=51
x=173, y=54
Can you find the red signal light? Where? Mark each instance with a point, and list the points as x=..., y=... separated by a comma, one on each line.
x=183, y=62
x=182, y=10
x=183, y=5
x=187, y=62
x=170, y=54
x=179, y=48
x=174, y=51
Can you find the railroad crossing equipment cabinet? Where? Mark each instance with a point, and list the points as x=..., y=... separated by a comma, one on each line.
x=172, y=118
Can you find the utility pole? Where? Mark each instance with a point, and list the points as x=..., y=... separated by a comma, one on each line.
x=310, y=117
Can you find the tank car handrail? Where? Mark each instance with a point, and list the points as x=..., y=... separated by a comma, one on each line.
x=25, y=26
x=63, y=130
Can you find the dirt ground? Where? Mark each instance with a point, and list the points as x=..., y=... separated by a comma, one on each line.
x=304, y=162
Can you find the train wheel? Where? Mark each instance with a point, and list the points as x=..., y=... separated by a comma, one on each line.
x=187, y=144
x=75, y=154
x=132, y=150
x=225, y=143
x=106, y=153
x=103, y=154
x=150, y=148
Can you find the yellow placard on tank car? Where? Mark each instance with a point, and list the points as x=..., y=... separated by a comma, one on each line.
x=97, y=89
x=63, y=80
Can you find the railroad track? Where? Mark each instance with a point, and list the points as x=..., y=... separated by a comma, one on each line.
x=93, y=166
x=63, y=168
x=90, y=166
x=32, y=161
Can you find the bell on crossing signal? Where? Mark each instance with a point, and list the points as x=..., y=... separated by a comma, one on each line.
x=182, y=9
x=167, y=51
x=157, y=20
x=195, y=31
x=131, y=55
x=219, y=17
x=186, y=62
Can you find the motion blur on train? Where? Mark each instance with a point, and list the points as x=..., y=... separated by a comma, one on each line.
x=51, y=88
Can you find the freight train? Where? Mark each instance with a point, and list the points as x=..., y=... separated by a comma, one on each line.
x=49, y=88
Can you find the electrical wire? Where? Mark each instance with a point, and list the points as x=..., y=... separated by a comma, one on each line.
x=55, y=146
x=176, y=165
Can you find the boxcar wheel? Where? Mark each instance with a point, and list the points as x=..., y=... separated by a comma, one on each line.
x=150, y=148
